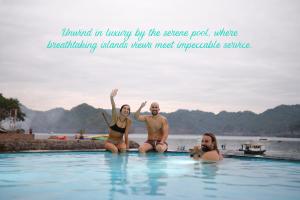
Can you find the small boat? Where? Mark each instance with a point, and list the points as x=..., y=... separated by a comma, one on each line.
x=98, y=137
x=2, y=130
x=263, y=139
x=253, y=149
x=58, y=137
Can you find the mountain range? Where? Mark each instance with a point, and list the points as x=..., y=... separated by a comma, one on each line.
x=283, y=120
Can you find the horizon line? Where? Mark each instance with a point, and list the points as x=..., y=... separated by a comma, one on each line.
x=190, y=110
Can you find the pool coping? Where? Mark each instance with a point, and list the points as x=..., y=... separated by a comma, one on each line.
x=226, y=155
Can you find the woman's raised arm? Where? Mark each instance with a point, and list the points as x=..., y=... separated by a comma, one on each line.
x=113, y=106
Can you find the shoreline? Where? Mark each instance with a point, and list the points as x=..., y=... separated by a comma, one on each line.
x=226, y=155
x=180, y=136
x=283, y=148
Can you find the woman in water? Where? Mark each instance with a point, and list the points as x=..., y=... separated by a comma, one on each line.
x=119, y=127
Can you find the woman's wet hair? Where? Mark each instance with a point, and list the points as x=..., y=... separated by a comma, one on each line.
x=123, y=107
x=214, y=140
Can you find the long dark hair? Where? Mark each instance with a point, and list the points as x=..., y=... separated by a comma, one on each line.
x=123, y=107
x=214, y=141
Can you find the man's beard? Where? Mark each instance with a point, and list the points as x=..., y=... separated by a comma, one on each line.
x=154, y=113
x=205, y=148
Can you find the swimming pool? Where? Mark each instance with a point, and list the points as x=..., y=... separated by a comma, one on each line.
x=102, y=175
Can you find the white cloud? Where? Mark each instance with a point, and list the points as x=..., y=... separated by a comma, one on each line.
x=207, y=79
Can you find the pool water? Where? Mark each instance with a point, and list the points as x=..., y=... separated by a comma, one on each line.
x=102, y=175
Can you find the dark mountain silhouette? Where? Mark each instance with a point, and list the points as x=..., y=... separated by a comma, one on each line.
x=280, y=121
x=60, y=120
x=283, y=120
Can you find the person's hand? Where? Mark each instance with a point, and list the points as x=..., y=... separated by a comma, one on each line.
x=113, y=92
x=143, y=104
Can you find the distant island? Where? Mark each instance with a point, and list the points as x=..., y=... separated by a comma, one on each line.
x=283, y=121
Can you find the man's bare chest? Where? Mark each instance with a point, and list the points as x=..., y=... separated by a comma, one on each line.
x=154, y=124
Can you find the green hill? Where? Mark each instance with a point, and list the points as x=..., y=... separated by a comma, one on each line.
x=283, y=120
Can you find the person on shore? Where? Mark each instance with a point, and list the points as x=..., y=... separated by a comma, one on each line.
x=208, y=150
x=119, y=127
x=80, y=135
x=157, y=127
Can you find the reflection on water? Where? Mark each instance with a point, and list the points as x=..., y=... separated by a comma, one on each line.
x=209, y=172
x=157, y=176
x=117, y=167
x=149, y=174
x=206, y=172
x=154, y=178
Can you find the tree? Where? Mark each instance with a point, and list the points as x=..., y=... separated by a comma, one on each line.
x=8, y=106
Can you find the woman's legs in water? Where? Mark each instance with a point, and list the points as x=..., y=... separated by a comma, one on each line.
x=122, y=147
x=110, y=147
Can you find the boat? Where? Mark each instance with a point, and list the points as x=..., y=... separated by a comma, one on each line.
x=263, y=139
x=253, y=149
x=98, y=137
x=58, y=137
x=2, y=130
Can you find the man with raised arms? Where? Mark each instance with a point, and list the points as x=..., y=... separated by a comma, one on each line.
x=157, y=127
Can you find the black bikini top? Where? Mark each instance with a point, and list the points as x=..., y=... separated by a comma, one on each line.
x=118, y=129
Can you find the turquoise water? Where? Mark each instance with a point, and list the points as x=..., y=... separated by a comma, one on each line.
x=102, y=175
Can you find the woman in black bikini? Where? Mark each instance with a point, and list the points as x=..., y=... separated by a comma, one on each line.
x=119, y=127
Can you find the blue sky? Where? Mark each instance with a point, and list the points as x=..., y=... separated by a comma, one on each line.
x=213, y=80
